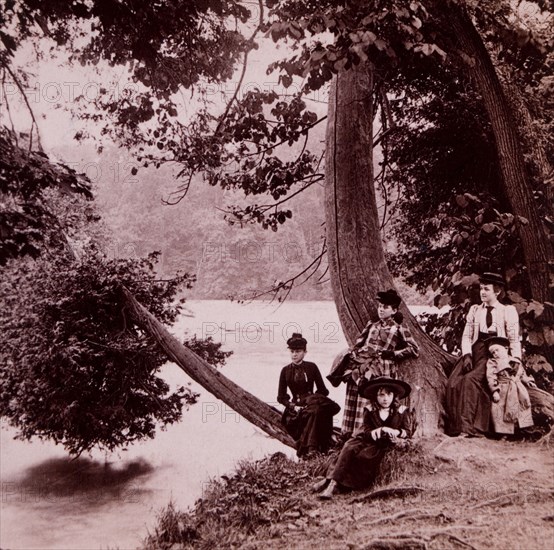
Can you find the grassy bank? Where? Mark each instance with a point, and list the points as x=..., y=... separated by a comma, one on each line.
x=439, y=493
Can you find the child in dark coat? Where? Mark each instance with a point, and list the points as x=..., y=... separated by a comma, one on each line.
x=385, y=421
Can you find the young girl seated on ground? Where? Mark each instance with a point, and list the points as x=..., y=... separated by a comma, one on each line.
x=510, y=399
x=385, y=421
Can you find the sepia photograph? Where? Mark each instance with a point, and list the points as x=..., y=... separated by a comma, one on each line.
x=277, y=274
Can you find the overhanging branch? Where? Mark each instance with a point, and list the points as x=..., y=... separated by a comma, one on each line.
x=244, y=403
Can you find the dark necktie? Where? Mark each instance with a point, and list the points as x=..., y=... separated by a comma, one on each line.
x=489, y=316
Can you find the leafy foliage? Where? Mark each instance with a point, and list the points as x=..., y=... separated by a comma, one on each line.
x=442, y=186
x=168, y=44
x=74, y=367
x=27, y=221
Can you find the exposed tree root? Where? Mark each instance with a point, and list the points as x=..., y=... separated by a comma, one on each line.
x=413, y=542
x=511, y=498
x=412, y=514
x=502, y=500
x=386, y=493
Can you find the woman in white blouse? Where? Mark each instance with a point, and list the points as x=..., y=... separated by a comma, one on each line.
x=468, y=402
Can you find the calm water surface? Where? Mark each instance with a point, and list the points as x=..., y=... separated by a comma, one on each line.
x=111, y=501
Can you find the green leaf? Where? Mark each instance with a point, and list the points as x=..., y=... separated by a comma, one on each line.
x=359, y=51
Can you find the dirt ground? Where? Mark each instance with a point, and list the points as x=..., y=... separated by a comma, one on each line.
x=468, y=493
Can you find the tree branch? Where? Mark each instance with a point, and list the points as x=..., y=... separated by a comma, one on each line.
x=289, y=283
x=31, y=112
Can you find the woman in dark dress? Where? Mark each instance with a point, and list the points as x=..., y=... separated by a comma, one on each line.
x=308, y=416
x=468, y=402
x=385, y=421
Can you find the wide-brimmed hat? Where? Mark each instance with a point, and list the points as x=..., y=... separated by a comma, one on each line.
x=369, y=388
x=389, y=298
x=499, y=340
x=297, y=341
x=489, y=278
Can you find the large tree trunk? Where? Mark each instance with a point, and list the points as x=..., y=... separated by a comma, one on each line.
x=479, y=66
x=356, y=258
x=534, y=142
x=247, y=405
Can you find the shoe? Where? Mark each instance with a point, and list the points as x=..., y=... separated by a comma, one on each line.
x=329, y=492
x=320, y=485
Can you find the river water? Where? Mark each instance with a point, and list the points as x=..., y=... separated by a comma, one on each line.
x=111, y=501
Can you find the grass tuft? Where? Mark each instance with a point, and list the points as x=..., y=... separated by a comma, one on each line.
x=404, y=463
x=258, y=495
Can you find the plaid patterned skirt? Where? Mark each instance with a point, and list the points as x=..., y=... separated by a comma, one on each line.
x=353, y=414
x=354, y=404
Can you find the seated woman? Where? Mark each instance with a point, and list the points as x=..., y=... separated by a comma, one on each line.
x=308, y=416
x=468, y=403
x=385, y=421
x=506, y=377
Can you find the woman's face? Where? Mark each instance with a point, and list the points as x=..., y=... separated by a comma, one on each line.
x=384, y=311
x=297, y=355
x=488, y=293
x=385, y=397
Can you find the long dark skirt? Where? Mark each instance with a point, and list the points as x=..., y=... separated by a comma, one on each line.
x=468, y=403
x=312, y=427
x=358, y=463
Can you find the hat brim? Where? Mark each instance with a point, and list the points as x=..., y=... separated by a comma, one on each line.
x=492, y=279
x=370, y=388
x=498, y=340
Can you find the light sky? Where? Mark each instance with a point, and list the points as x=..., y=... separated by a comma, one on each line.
x=54, y=85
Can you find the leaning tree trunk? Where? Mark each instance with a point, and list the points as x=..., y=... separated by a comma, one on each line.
x=479, y=66
x=356, y=258
x=247, y=405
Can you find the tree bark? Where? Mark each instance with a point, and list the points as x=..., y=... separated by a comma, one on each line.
x=479, y=66
x=247, y=405
x=355, y=253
